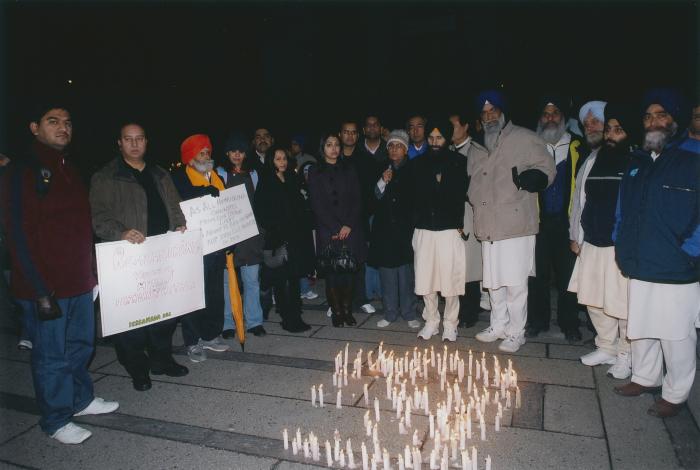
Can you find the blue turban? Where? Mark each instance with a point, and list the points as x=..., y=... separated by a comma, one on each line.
x=669, y=99
x=597, y=108
x=493, y=97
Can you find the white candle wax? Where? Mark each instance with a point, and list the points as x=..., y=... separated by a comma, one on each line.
x=351, y=455
x=365, y=458
x=385, y=458
x=285, y=438
x=401, y=465
x=475, y=462
x=431, y=419
x=508, y=399
x=320, y=395
x=298, y=436
x=416, y=440
x=408, y=457
x=478, y=370
x=376, y=409
x=465, y=460
x=488, y=462
x=469, y=383
x=433, y=463
x=365, y=394
x=335, y=379
x=295, y=448
x=341, y=459
x=313, y=396
x=518, y=401
x=408, y=413
x=402, y=427
x=497, y=425
x=329, y=456
x=307, y=452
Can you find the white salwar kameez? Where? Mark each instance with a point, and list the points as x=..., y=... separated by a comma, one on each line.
x=507, y=265
x=440, y=266
x=662, y=320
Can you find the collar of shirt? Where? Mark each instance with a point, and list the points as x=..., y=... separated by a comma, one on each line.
x=560, y=150
x=465, y=142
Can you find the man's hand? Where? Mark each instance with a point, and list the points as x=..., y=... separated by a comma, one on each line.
x=212, y=191
x=386, y=176
x=133, y=236
x=574, y=247
x=4, y=160
x=181, y=228
x=344, y=232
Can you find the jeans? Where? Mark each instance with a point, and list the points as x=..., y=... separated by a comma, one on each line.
x=373, y=286
x=62, y=350
x=304, y=284
x=206, y=323
x=398, y=292
x=252, y=311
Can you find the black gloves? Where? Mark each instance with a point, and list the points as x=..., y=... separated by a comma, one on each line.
x=211, y=190
x=532, y=181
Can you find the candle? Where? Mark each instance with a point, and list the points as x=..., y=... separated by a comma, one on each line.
x=365, y=458
x=488, y=462
x=417, y=459
x=307, y=453
x=486, y=377
x=503, y=383
x=478, y=370
x=500, y=409
x=298, y=436
x=416, y=397
x=338, y=400
x=453, y=441
x=483, y=428
x=475, y=462
x=320, y=395
x=295, y=449
x=365, y=418
x=336, y=447
x=335, y=379
x=374, y=463
x=469, y=384
x=341, y=460
x=313, y=396
x=426, y=400
x=329, y=456
x=416, y=440
x=368, y=427
x=365, y=394
x=508, y=399
x=460, y=371
x=433, y=463
x=401, y=465
x=399, y=408
x=445, y=456
x=407, y=456
x=469, y=424
x=345, y=378
x=497, y=425
x=496, y=397
x=408, y=413
x=388, y=386
x=402, y=427
x=385, y=457
x=376, y=409
x=431, y=418
x=465, y=460
x=351, y=456
x=285, y=438
x=518, y=401
x=470, y=362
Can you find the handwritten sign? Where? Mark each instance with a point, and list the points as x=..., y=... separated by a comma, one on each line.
x=146, y=283
x=223, y=220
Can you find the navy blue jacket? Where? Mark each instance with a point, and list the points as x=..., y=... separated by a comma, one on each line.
x=657, y=233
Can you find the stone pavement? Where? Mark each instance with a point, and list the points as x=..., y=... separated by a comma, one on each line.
x=230, y=410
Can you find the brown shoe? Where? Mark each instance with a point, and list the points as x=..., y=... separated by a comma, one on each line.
x=634, y=389
x=664, y=409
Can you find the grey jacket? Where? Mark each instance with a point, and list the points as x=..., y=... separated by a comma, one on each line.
x=118, y=202
x=501, y=210
x=473, y=246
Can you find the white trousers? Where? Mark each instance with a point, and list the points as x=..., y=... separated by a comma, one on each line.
x=432, y=316
x=509, y=309
x=648, y=357
x=611, y=332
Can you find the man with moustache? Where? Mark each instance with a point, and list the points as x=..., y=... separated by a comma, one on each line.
x=46, y=216
x=506, y=176
x=596, y=278
x=415, y=126
x=657, y=246
x=552, y=253
x=262, y=142
x=132, y=199
x=201, y=329
x=441, y=181
x=373, y=144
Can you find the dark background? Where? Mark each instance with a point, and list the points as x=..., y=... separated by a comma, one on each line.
x=185, y=68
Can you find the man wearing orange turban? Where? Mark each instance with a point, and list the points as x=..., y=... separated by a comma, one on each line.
x=201, y=329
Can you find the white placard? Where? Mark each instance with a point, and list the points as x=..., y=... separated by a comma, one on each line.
x=223, y=220
x=142, y=284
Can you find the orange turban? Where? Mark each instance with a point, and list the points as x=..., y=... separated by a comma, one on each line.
x=192, y=145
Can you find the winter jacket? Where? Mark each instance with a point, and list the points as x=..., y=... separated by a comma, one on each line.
x=118, y=201
x=501, y=210
x=556, y=201
x=657, y=231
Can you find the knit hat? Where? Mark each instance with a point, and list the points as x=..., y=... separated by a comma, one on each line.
x=670, y=99
x=597, y=108
x=492, y=97
x=236, y=141
x=398, y=135
x=443, y=125
x=192, y=145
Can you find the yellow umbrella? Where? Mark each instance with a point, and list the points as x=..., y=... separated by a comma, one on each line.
x=236, y=301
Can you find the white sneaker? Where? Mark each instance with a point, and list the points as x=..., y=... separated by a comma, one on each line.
x=367, y=308
x=329, y=313
x=217, y=344
x=413, y=324
x=196, y=353
x=598, y=357
x=383, y=323
x=24, y=345
x=623, y=366
x=98, y=406
x=310, y=295
x=512, y=343
x=429, y=330
x=489, y=335
x=449, y=334
x=71, y=434
x=485, y=302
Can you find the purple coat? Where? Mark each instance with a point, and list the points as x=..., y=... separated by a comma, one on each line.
x=336, y=201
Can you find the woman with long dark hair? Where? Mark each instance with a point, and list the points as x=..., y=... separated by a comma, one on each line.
x=280, y=210
x=336, y=202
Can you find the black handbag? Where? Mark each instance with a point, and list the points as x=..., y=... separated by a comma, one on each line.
x=336, y=257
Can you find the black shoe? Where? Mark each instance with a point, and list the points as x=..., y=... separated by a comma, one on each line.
x=297, y=327
x=172, y=369
x=349, y=319
x=466, y=323
x=533, y=331
x=228, y=334
x=141, y=383
x=257, y=330
x=337, y=320
x=573, y=335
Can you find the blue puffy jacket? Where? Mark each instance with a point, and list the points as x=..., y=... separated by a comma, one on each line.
x=657, y=232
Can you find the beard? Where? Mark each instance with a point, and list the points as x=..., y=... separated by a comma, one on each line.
x=656, y=139
x=492, y=130
x=594, y=139
x=204, y=167
x=551, y=132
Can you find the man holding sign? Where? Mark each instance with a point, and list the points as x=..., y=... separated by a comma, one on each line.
x=202, y=329
x=132, y=199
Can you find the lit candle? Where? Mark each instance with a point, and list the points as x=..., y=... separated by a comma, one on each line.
x=313, y=396
x=417, y=459
x=508, y=399
x=470, y=362
x=351, y=455
x=385, y=457
x=285, y=438
x=368, y=427
x=320, y=395
x=469, y=424
x=469, y=384
x=478, y=370
x=497, y=425
x=488, y=462
x=307, y=452
x=335, y=379
x=460, y=370
x=365, y=418
x=486, y=377
x=408, y=413
x=416, y=397
x=431, y=419
x=401, y=465
x=338, y=400
x=365, y=394
x=433, y=463
x=453, y=441
x=426, y=400
x=496, y=397
x=518, y=401
x=399, y=408
x=329, y=456
x=407, y=456
x=341, y=460
x=465, y=460
x=475, y=462
x=416, y=440
x=295, y=449
x=298, y=436
x=388, y=386
x=365, y=458
x=402, y=427
x=374, y=463
x=376, y=409
x=483, y=428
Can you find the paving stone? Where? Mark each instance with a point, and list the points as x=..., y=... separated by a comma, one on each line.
x=16, y=377
x=249, y=414
x=275, y=328
x=685, y=438
x=8, y=348
x=694, y=398
x=565, y=351
x=572, y=410
x=530, y=414
x=553, y=371
x=626, y=420
x=291, y=346
x=319, y=317
x=297, y=466
x=115, y=449
x=14, y=423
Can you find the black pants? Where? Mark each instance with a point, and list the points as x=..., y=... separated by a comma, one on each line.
x=146, y=348
x=359, y=295
x=208, y=322
x=285, y=285
x=552, y=255
x=469, y=303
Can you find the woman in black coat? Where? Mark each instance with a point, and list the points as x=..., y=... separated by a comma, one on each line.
x=337, y=206
x=280, y=209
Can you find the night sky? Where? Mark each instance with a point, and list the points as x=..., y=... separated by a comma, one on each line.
x=186, y=68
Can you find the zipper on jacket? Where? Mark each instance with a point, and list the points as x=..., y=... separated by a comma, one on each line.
x=678, y=188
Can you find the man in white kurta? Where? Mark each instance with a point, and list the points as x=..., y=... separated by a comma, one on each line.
x=657, y=244
x=505, y=176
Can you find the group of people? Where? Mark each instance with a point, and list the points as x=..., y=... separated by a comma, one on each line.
x=433, y=210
